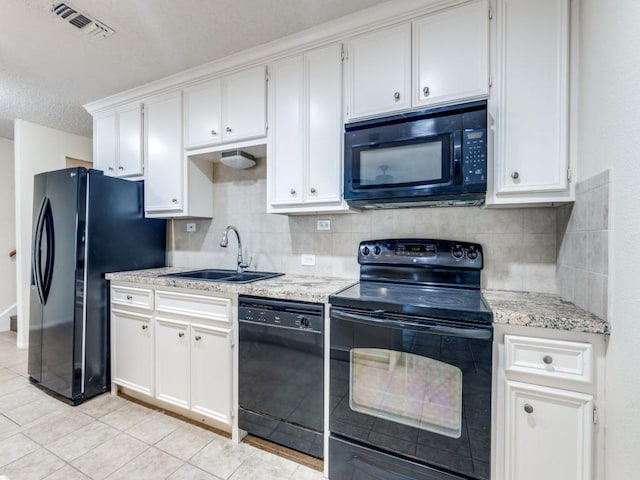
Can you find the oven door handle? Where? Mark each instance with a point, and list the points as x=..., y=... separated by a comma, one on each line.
x=473, y=333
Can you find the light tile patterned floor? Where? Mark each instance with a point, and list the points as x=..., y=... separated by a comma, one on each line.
x=111, y=438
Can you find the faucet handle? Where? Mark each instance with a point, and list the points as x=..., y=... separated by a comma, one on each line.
x=244, y=265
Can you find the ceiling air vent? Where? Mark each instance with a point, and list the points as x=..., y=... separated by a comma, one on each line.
x=92, y=27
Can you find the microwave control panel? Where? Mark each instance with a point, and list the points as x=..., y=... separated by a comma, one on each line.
x=474, y=159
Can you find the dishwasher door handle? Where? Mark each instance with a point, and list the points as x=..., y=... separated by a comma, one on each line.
x=479, y=333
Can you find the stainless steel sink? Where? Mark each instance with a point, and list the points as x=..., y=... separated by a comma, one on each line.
x=219, y=275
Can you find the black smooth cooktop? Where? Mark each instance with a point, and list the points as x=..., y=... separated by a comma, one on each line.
x=453, y=303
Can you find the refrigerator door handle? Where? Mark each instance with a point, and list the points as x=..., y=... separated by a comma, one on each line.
x=48, y=273
x=42, y=280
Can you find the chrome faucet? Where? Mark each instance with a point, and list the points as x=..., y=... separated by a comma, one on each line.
x=224, y=241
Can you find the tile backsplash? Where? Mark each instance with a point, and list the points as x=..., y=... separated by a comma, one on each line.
x=520, y=244
x=583, y=246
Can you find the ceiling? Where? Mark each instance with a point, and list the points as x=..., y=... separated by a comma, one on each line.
x=49, y=68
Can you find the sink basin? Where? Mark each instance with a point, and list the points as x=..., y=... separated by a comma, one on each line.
x=219, y=275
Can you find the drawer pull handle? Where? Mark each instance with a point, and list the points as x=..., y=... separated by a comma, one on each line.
x=129, y=297
x=144, y=327
x=528, y=408
x=547, y=359
x=181, y=334
x=198, y=338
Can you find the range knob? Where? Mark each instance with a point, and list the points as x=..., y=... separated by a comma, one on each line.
x=377, y=250
x=472, y=254
x=366, y=251
x=457, y=253
x=304, y=322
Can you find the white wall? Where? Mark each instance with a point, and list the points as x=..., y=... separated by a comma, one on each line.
x=610, y=136
x=37, y=149
x=7, y=234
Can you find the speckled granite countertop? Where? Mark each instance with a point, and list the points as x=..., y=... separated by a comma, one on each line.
x=287, y=287
x=542, y=310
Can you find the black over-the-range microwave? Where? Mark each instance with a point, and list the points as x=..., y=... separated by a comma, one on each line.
x=428, y=157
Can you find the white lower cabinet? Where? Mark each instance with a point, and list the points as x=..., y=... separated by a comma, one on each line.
x=549, y=423
x=180, y=352
x=211, y=369
x=132, y=350
x=549, y=433
x=172, y=361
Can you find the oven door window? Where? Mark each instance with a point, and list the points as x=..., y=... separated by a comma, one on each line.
x=407, y=389
x=415, y=162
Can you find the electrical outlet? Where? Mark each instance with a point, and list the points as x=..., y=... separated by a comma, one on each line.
x=191, y=227
x=308, y=260
x=323, y=225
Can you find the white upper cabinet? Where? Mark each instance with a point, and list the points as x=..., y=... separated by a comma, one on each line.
x=451, y=55
x=530, y=102
x=203, y=108
x=118, y=142
x=379, y=72
x=226, y=110
x=164, y=191
x=305, y=142
x=244, y=104
x=438, y=59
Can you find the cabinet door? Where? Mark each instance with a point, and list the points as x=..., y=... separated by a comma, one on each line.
x=286, y=142
x=532, y=80
x=130, y=141
x=132, y=350
x=451, y=55
x=104, y=144
x=163, y=154
x=202, y=114
x=549, y=433
x=172, y=361
x=323, y=70
x=211, y=372
x=379, y=72
x=244, y=104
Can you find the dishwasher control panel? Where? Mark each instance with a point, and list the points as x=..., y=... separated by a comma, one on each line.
x=282, y=313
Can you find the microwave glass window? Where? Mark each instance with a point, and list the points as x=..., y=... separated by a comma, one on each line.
x=408, y=389
x=420, y=162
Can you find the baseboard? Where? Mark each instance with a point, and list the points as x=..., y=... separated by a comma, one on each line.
x=5, y=321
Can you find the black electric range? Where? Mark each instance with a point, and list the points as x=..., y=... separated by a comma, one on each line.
x=411, y=365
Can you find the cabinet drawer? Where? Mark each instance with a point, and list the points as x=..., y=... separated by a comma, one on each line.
x=133, y=297
x=214, y=308
x=545, y=358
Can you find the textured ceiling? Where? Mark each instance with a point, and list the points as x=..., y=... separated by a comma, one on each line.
x=49, y=69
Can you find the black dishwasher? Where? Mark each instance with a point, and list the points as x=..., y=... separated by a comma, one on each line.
x=281, y=372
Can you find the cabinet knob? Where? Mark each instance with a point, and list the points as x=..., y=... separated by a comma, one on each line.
x=229, y=130
x=547, y=359
x=213, y=132
x=129, y=297
x=313, y=190
x=425, y=91
x=120, y=168
x=174, y=200
x=528, y=408
x=111, y=169
x=181, y=334
x=515, y=175
x=292, y=191
x=396, y=95
x=144, y=327
x=198, y=338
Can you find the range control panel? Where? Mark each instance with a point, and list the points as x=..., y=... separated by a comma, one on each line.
x=421, y=252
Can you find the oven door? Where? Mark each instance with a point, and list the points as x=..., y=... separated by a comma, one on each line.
x=419, y=389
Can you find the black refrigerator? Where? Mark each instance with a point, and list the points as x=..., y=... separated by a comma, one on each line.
x=85, y=224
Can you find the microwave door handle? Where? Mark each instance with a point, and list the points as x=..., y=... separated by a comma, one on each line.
x=457, y=157
x=472, y=333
